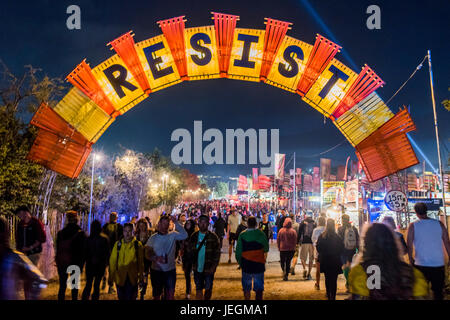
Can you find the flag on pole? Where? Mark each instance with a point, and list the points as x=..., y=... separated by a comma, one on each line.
x=325, y=168
x=242, y=183
x=279, y=165
x=264, y=182
x=298, y=178
x=255, y=179
x=291, y=177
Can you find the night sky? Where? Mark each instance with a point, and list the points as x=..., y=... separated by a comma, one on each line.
x=34, y=32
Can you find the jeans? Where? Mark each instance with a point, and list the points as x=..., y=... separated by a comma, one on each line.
x=94, y=274
x=187, y=275
x=435, y=275
x=163, y=281
x=331, y=284
x=63, y=275
x=203, y=280
x=128, y=291
x=255, y=280
x=285, y=260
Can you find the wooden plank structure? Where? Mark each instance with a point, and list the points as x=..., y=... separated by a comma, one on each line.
x=99, y=95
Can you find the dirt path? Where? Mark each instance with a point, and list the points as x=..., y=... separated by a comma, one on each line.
x=227, y=283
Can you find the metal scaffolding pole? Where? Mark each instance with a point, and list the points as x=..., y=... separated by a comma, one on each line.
x=437, y=135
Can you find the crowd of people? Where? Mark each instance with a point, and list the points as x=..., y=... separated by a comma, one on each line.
x=130, y=256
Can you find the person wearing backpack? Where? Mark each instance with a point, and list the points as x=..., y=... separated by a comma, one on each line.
x=205, y=248
x=114, y=232
x=70, y=245
x=126, y=264
x=143, y=234
x=97, y=257
x=307, y=249
x=350, y=236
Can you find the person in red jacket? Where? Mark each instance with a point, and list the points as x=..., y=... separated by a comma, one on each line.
x=30, y=234
x=286, y=241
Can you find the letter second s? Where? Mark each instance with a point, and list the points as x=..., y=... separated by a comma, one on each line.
x=205, y=55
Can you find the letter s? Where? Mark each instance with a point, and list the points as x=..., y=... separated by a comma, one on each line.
x=205, y=54
x=291, y=69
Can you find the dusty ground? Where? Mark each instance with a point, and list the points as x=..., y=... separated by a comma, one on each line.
x=227, y=283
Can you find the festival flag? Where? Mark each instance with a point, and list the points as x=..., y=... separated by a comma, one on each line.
x=316, y=180
x=298, y=178
x=264, y=182
x=279, y=165
x=325, y=168
x=351, y=191
x=255, y=179
x=291, y=177
x=307, y=183
x=242, y=183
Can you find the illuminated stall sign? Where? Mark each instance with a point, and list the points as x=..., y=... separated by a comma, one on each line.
x=180, y=53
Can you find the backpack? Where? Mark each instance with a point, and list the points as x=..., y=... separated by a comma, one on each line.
x=309, y=229
x=349, y=238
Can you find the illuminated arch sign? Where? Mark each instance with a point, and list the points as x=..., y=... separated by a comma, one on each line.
x=222, y=50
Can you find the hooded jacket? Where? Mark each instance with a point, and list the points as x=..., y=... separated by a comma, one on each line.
x=287, y=237
x=127, y=261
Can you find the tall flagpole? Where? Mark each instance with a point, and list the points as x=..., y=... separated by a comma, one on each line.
x=295, y=194
x=437, y=135
x=92, y=190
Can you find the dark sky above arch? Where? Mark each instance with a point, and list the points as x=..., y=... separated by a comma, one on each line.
x=35, y=33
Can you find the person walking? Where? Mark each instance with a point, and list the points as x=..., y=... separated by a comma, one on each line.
x=251, y=254
x=307, y=250
x=205, y=248
x=186, y=255
x=330, y=247
x=381, y=256
x=286, y=241
x=427, y=238
x=280, y=219
x=160, y=249
x=265, y=226
x=30, y=235
x=315, y=236
x=219, y=228
x=114, y=232
x=126, y=264
x=389, y=221
x=96, y=253
x=15, y=268
x=296, y=227
x=143, y=233
x=350, y=236
x=70, y=249
x=233, y=222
